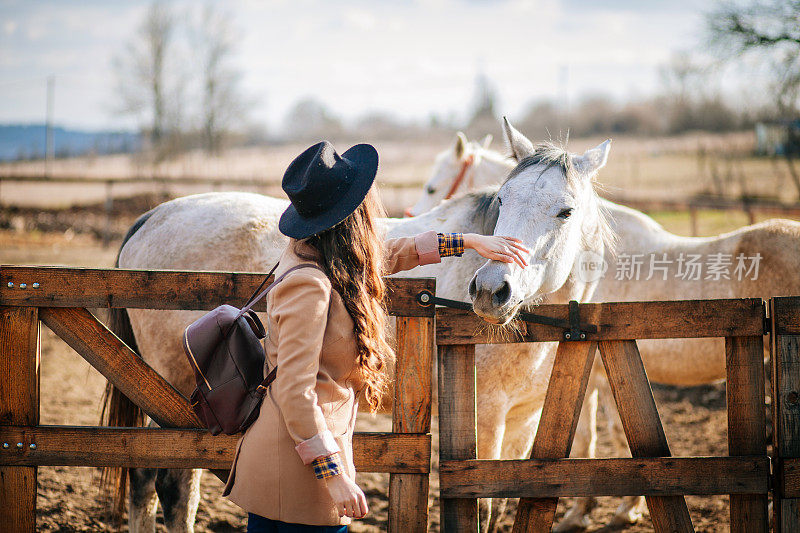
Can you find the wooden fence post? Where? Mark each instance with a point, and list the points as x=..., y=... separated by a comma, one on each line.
x=457, y=428
x=408, y=493
x=785, y=313
x=746, y=423
x=560, y=413
x=642, y=425
x=19, y=405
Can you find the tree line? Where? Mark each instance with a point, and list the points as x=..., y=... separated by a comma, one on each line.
x=185, y=104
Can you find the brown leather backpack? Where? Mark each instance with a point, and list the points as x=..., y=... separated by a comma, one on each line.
x=225, y=351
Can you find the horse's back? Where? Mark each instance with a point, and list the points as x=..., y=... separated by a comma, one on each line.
x=211, y=231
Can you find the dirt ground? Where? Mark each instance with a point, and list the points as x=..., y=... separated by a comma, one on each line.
x=69, y=499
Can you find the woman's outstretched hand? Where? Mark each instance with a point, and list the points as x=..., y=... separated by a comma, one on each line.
x=506, y=249
x=348, y=497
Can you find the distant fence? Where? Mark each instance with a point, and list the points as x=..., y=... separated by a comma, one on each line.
x=750, y=207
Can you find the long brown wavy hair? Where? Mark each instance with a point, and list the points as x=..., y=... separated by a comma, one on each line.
x=351, y=253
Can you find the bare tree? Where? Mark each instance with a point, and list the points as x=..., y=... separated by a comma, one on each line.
x=222, y=102
x=141, y=71
x=767, y=25
x=311, y=119
x=483, y=117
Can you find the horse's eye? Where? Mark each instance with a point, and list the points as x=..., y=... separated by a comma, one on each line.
x=431, y=190
x=499, y=200
x=565, y=213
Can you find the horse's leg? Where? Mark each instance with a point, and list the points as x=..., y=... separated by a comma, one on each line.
x=584, y=445
x=142, y=500
x=491, y=428
x=521, y=424
x=631, y=509
x=179, y=493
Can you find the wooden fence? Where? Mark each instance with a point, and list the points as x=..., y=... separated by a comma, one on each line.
x=59, y=297
x=652, y=471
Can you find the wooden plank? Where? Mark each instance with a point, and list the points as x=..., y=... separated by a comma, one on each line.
x=560, y=413
x=642, y=426
x=408, y=493
x=121, y=366
x=655, y=476
x=412, y=379
x=790, y=477
x=747, y=424
x=162, y=289
x=457, y=429
x=616, y=320
x=186, y=448
x=785, y=406
x=19, y=404
x=786, y=315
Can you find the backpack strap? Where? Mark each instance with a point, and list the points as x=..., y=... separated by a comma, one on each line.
x=262, y=388
x=253, y=300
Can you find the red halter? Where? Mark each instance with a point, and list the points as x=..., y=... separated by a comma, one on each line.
x=460, y=177
x=468, y=162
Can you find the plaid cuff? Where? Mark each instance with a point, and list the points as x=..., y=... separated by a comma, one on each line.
x=451, y=244
x=327, y=466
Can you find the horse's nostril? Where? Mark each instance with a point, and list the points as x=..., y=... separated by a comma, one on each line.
x=502, y=295
x=473, y=288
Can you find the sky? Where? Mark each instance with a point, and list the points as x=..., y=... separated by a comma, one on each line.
x=407, y=58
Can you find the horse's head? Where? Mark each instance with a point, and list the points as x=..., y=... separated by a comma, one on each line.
x=549, y=203
x=451, y=171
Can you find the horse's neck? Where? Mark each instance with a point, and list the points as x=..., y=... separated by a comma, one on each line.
x=454, y=216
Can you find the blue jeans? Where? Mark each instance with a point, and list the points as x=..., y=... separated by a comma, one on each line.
x=259, y=524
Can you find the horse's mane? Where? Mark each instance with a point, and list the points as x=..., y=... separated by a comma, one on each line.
x=547, y=153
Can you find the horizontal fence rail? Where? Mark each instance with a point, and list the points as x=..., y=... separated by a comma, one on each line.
x=161, y=289
x=185, y=448
x=651, y=476
x=615, y=321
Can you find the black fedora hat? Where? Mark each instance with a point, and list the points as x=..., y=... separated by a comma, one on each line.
x=324, y=187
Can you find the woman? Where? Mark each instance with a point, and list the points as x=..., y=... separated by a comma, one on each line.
x=293, y=469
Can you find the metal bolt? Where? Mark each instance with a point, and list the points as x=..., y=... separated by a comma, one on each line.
x=23, y=285
x=425, y=298
x=567, y=335
x=10, y=284
x=19, y=445
x=583, y=336
x=36, y=285
x=32, y=446
x=5, y=445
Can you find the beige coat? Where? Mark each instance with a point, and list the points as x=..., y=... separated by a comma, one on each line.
x=310, y=409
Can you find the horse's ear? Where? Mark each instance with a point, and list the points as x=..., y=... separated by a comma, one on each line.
x=594, y=159
x=518, y=144
x=461, y=145
x=487, y=141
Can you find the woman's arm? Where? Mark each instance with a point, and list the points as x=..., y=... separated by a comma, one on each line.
x=406, y=253
x=299, y=308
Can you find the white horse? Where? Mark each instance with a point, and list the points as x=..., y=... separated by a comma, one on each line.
x=757, y=261
x=238, y=231
x=466, y=166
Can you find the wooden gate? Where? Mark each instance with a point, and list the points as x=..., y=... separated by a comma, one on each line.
x=664, y=480
x=59, y=297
